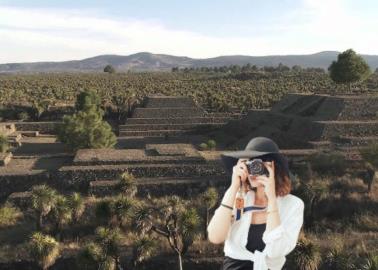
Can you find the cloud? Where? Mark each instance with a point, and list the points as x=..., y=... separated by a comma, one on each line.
x=39, y=34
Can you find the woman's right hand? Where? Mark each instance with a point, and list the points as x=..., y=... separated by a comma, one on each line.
x=239, y=173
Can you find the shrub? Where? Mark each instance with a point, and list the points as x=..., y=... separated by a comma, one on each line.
x=203, y=146
x=23, y=116
x=9, y=215
x=211, y=144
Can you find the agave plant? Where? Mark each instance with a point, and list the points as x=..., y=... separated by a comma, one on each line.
x=43, y=199
x=43, y=249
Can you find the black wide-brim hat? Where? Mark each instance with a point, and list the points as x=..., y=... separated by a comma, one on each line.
x=256, y=147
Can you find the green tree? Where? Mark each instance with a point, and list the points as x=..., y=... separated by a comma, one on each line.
x=43, y=249
x=86, y=100
x=349, y=68
x=86, y=128
x=43, y=199
x=109, y=69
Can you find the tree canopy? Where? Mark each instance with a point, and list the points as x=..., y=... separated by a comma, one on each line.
x=349, y=68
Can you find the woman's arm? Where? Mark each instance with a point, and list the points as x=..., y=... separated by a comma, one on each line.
x=221, y=221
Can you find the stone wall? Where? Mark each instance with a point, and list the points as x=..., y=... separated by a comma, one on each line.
x=42, y=127
x=19, y=183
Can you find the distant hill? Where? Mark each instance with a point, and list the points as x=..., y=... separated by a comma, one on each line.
x=145, y=61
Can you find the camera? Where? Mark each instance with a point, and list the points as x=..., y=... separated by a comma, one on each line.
x=256, y=167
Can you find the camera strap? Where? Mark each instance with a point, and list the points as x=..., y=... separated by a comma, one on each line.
x=240, y=209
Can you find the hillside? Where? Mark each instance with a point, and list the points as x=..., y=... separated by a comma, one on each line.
x=145, y=61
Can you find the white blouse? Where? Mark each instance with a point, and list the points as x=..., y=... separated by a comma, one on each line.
x=278, y=242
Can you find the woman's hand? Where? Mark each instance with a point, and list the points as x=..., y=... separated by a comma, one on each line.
x=239, y=173
x=268, y=182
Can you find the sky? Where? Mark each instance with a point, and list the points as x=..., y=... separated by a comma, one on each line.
x=38, y=30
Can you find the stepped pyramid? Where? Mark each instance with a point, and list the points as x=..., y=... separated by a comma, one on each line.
x=170, y=116
x=305, y=123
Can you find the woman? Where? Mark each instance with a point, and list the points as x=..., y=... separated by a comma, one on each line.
x=259, y=225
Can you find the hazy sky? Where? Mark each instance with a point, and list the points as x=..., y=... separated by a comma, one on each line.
x=63, y=30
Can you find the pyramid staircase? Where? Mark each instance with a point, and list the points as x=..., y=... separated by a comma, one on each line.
x=176, y=117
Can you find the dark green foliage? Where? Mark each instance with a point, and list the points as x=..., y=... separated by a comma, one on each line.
x=349, y=68
x=109, y=69
x=86, y=128
x=86, y=100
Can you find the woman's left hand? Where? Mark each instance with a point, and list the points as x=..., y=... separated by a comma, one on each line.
x=268, y=181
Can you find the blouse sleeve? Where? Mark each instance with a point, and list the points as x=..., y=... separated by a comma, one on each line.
x=282, y=239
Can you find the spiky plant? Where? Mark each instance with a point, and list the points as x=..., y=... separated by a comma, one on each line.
x=306, y=255
x=178, y=224
x=143, y=248
x=121, y=208
x=61, y=212
x=44, y=249
x=337, y=257
x=77, y=206
x=142, y=218
x=109, y=241
x=43, y=199
x=127, y=184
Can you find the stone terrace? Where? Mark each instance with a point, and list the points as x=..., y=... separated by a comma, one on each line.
x=300, y=123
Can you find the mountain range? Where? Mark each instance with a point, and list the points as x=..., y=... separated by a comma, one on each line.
x=145, y=61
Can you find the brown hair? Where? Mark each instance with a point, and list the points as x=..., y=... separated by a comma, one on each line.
x=282, y=177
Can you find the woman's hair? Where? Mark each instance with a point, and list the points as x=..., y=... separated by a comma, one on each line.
x=282, y=174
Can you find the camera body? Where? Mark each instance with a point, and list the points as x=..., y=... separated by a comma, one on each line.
x=256, y=167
